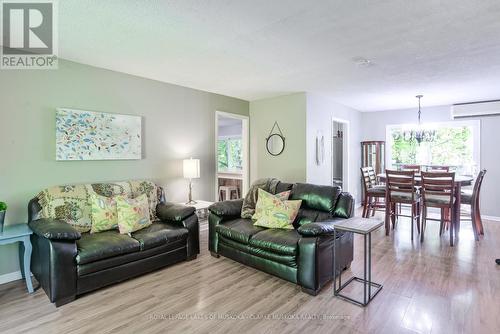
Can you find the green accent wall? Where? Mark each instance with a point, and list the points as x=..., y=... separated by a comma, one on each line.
x=290, y=112
x=178, y=122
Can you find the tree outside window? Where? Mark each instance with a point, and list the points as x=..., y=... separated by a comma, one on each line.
x=229, y=155
x=451, y=146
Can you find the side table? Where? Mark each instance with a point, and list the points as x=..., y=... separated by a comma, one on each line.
x=20, y=233
x=201, y=208
x=365, y=227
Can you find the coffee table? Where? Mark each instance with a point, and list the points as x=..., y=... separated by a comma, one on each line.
x=365, y=227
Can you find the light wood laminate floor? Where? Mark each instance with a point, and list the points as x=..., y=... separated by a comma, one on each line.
x=428, y=288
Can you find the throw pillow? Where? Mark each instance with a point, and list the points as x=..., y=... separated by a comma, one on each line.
x=133, y=213
x=274, y=212
x=104, y=213
x=70, y=203
x=259, y=208
x=250, y=200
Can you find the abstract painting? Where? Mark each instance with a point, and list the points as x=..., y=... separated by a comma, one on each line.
x=89, y=135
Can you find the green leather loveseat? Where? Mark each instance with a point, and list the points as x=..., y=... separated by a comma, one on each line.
x=302, y=255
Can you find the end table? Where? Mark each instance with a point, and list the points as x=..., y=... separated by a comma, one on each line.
x=201, y=208
x=20, y=233
x=365, y=227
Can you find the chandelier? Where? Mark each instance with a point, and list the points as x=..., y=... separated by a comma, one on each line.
x=419, y=134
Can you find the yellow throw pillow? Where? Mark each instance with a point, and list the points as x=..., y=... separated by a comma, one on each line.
x=272, y=212
x=259, y=208
x=133, y=213
x=104, y=214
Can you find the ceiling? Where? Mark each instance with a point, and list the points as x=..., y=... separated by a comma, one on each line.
x=448, y=50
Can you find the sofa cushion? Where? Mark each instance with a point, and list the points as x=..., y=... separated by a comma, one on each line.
x=316, y=197
x=240, y=229
x=277, y=241
x=159, y=234
x=98, y=246
x=288, y=260
x=104, y=214
x=248, y=207
x=92, y=267
x=133, y=213
x=271, y=211
x=71, y=203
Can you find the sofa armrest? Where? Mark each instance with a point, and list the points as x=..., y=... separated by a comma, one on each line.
x=54, y=229
x=171, y=212
x=227, y=208
x=317, y=229
x=345, y=206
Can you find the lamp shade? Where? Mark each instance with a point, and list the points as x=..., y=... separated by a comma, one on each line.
x=191, y=168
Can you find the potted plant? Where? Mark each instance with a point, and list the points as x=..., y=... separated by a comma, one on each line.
x=3, y=209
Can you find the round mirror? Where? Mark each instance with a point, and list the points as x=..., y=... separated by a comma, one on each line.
x=275, y=144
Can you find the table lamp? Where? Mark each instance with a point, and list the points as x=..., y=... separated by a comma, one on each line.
x=191, y=170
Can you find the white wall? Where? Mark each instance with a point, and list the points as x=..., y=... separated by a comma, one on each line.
x=374, y=127
x=321, y=111
x=290, y=112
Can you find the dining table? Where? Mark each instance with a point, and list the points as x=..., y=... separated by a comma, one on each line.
x=460, y=181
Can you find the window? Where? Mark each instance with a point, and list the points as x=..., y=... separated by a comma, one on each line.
x=229, y=154
x=454, y=144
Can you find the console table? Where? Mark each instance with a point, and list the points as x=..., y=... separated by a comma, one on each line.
x=20, y=233
x=365, y=227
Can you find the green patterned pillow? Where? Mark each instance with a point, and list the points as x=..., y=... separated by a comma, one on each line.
x=104, y=213
x=259, y=208
x=274, y=212
x=133, y=213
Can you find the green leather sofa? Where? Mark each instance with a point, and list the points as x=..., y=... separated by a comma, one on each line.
x=68, y=263
x=302, y=255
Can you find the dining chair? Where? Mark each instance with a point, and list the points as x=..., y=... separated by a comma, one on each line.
x=437, y=192
x=416, y=168
x=373, y=192
x=445, y=169
x=472, y=199
x=400, y=189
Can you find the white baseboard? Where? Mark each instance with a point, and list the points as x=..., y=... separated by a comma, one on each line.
x=10, y=277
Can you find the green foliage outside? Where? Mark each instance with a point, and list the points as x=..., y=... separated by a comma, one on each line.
x=3, y=206
x=229, y=154
x=452, y=146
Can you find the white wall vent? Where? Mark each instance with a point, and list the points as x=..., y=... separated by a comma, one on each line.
x=474, y=110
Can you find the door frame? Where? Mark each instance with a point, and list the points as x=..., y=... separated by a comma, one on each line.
x=345, y=153
x=245, y=137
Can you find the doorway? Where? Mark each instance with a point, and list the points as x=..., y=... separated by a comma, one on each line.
x=340, y=153
x=231, y=160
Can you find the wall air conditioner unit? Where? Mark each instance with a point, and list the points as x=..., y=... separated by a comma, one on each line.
x=474, y=110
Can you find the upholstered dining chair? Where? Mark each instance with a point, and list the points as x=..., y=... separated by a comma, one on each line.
x=373, y=192
x=416, y=168
x=400, y=190
x=472, y=199
x=437, y=192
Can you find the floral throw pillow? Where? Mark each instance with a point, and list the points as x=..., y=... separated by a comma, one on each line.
x=274, y=212
x=104, y=213
x=133, y=213
x=260, y=208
